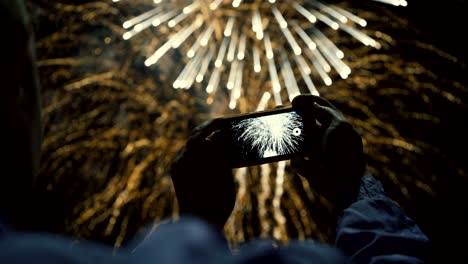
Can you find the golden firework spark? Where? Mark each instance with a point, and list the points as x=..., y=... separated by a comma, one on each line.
x=112, y=129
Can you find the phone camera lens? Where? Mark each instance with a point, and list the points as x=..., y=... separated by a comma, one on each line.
x=296, y=132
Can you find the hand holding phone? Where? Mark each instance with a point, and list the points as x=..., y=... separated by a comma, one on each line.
x=334, y=161
x=202, y=177
x=266, y=136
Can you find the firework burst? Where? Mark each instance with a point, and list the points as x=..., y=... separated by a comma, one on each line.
x=224, y=38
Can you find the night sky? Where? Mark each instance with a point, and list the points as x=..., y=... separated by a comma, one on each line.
x=97, y=133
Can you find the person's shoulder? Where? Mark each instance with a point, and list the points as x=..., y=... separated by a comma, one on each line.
x=295, y=251
x=48, y=248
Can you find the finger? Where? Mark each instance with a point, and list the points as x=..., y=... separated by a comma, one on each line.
x=300, y=165
x=206, y=133
x=308, y=107
x=205, y=127
x=308, y=167
x=323, y=114
x=304, y=101
x=328, y=114
x=214, y=136
x=324, y=102
x=302, y=104
x=324, y=110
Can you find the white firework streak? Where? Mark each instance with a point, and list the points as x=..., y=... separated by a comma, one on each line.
x=271, y=135
x=227, y=37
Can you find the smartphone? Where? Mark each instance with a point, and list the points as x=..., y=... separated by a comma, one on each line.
x=264, y=137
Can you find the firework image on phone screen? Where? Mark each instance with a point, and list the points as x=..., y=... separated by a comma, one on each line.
x=266, y=138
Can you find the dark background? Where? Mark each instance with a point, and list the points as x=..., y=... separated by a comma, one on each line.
x=442, y=22
x=439, y=24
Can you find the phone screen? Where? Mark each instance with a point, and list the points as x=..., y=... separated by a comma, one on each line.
x=266, y=137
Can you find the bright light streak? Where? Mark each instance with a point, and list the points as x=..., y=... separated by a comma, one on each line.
x=232, y=75
x=360, y=21
x=236, y=3
x=329, y=10
x=308, y=41
x=206, y=36
x=256, y=59
x=231, y=54
x=264, y=101
x=393, y=2
x=227, y=34
x=288, y=77
x=281, y=21
x=229, y=26
x=214, y=5
x=268, y=48
x=221, y=53
x=130, y=23
x=241, y=50
x=305, y=13
x=204, y=67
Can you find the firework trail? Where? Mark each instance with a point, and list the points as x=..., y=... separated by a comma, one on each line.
x=223, y=38
x=271, y=135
